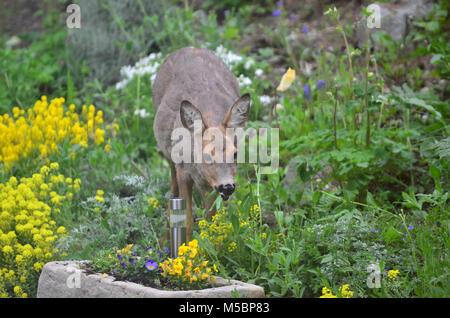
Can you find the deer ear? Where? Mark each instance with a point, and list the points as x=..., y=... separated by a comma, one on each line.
x=238, y=113
x=189, y=114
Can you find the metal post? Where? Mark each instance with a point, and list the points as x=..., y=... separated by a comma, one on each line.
x=177, y=222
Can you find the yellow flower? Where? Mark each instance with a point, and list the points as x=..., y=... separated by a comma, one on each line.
x=18, y=291
x=182, y=249
x=392, y=274
x=287, y=80
x=7, y=249
x=153, y=202
x=193, y=253
x=345, y=291
x=61, y=230
x=126, y=249
x=193, y=244
x=327, y=293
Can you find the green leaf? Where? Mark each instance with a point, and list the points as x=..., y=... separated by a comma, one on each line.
x=435, y=172
x=326, y=259
x=418, y=102
x=391, y=234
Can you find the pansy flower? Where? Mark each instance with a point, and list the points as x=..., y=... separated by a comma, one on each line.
x=151, y=265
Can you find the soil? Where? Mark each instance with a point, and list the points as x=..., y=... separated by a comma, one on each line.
x=19, y=16
x=161, y=283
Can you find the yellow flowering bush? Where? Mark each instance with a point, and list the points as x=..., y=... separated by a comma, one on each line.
x=219, y=229
x=28, y=233
x=189, y=268
x=45, y=126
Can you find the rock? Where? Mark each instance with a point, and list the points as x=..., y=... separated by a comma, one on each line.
x=65, y=279
x=396, y=19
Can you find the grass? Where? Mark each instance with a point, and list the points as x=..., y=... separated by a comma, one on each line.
x=363, y=177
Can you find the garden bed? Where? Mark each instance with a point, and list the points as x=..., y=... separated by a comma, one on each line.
x=68, y=279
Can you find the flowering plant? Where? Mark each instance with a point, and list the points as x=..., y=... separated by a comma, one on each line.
x=189, y=269
x=28, y=233
x=132, y=263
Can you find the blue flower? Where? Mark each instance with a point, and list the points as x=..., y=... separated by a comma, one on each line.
x=151, y=265
x=291, y=16
x=226, y=12
x=279, y=3
x=148, y=249
x=131, y=260
x=320, y=84
x=305, y=29
x=123, y=265
x=276, y=13
x=306, y=90
x=410, y=227
x=119, y=257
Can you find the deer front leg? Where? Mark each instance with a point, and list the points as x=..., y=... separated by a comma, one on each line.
x=185, y=187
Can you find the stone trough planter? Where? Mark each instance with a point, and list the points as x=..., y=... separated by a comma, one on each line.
x=65, y=279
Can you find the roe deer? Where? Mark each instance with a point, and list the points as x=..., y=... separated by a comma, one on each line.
x=194, y=85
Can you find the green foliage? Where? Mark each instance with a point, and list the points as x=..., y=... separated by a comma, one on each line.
x=363, y=176
x=33, y=71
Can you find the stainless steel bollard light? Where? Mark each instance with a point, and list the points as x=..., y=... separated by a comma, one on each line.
x=177, y=223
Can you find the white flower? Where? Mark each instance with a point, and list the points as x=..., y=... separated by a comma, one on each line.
x=141, y=112
x=229, y=58
x=147, y=65
x=244, y=81
x=248, y=64
x=265, y=100
x=259, y=72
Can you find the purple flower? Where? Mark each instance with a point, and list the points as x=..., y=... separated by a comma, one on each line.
x=226, y=12
x=306, y=90
x=148, y=249
x=276, y=13
x=320, y=84
x=123, y=265
x=119, y=257
x=279, y=3
x=291, y=16
x=131, y=260
x=374, y=231
x=151, y=265
x=410, y=227
x=166, y=250
x=305, y=29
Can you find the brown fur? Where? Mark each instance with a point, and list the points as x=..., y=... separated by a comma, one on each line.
x=204, y=84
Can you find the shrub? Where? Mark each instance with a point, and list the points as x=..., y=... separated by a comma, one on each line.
x=28, y=233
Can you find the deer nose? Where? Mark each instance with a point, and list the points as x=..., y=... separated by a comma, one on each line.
x=226, y=189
